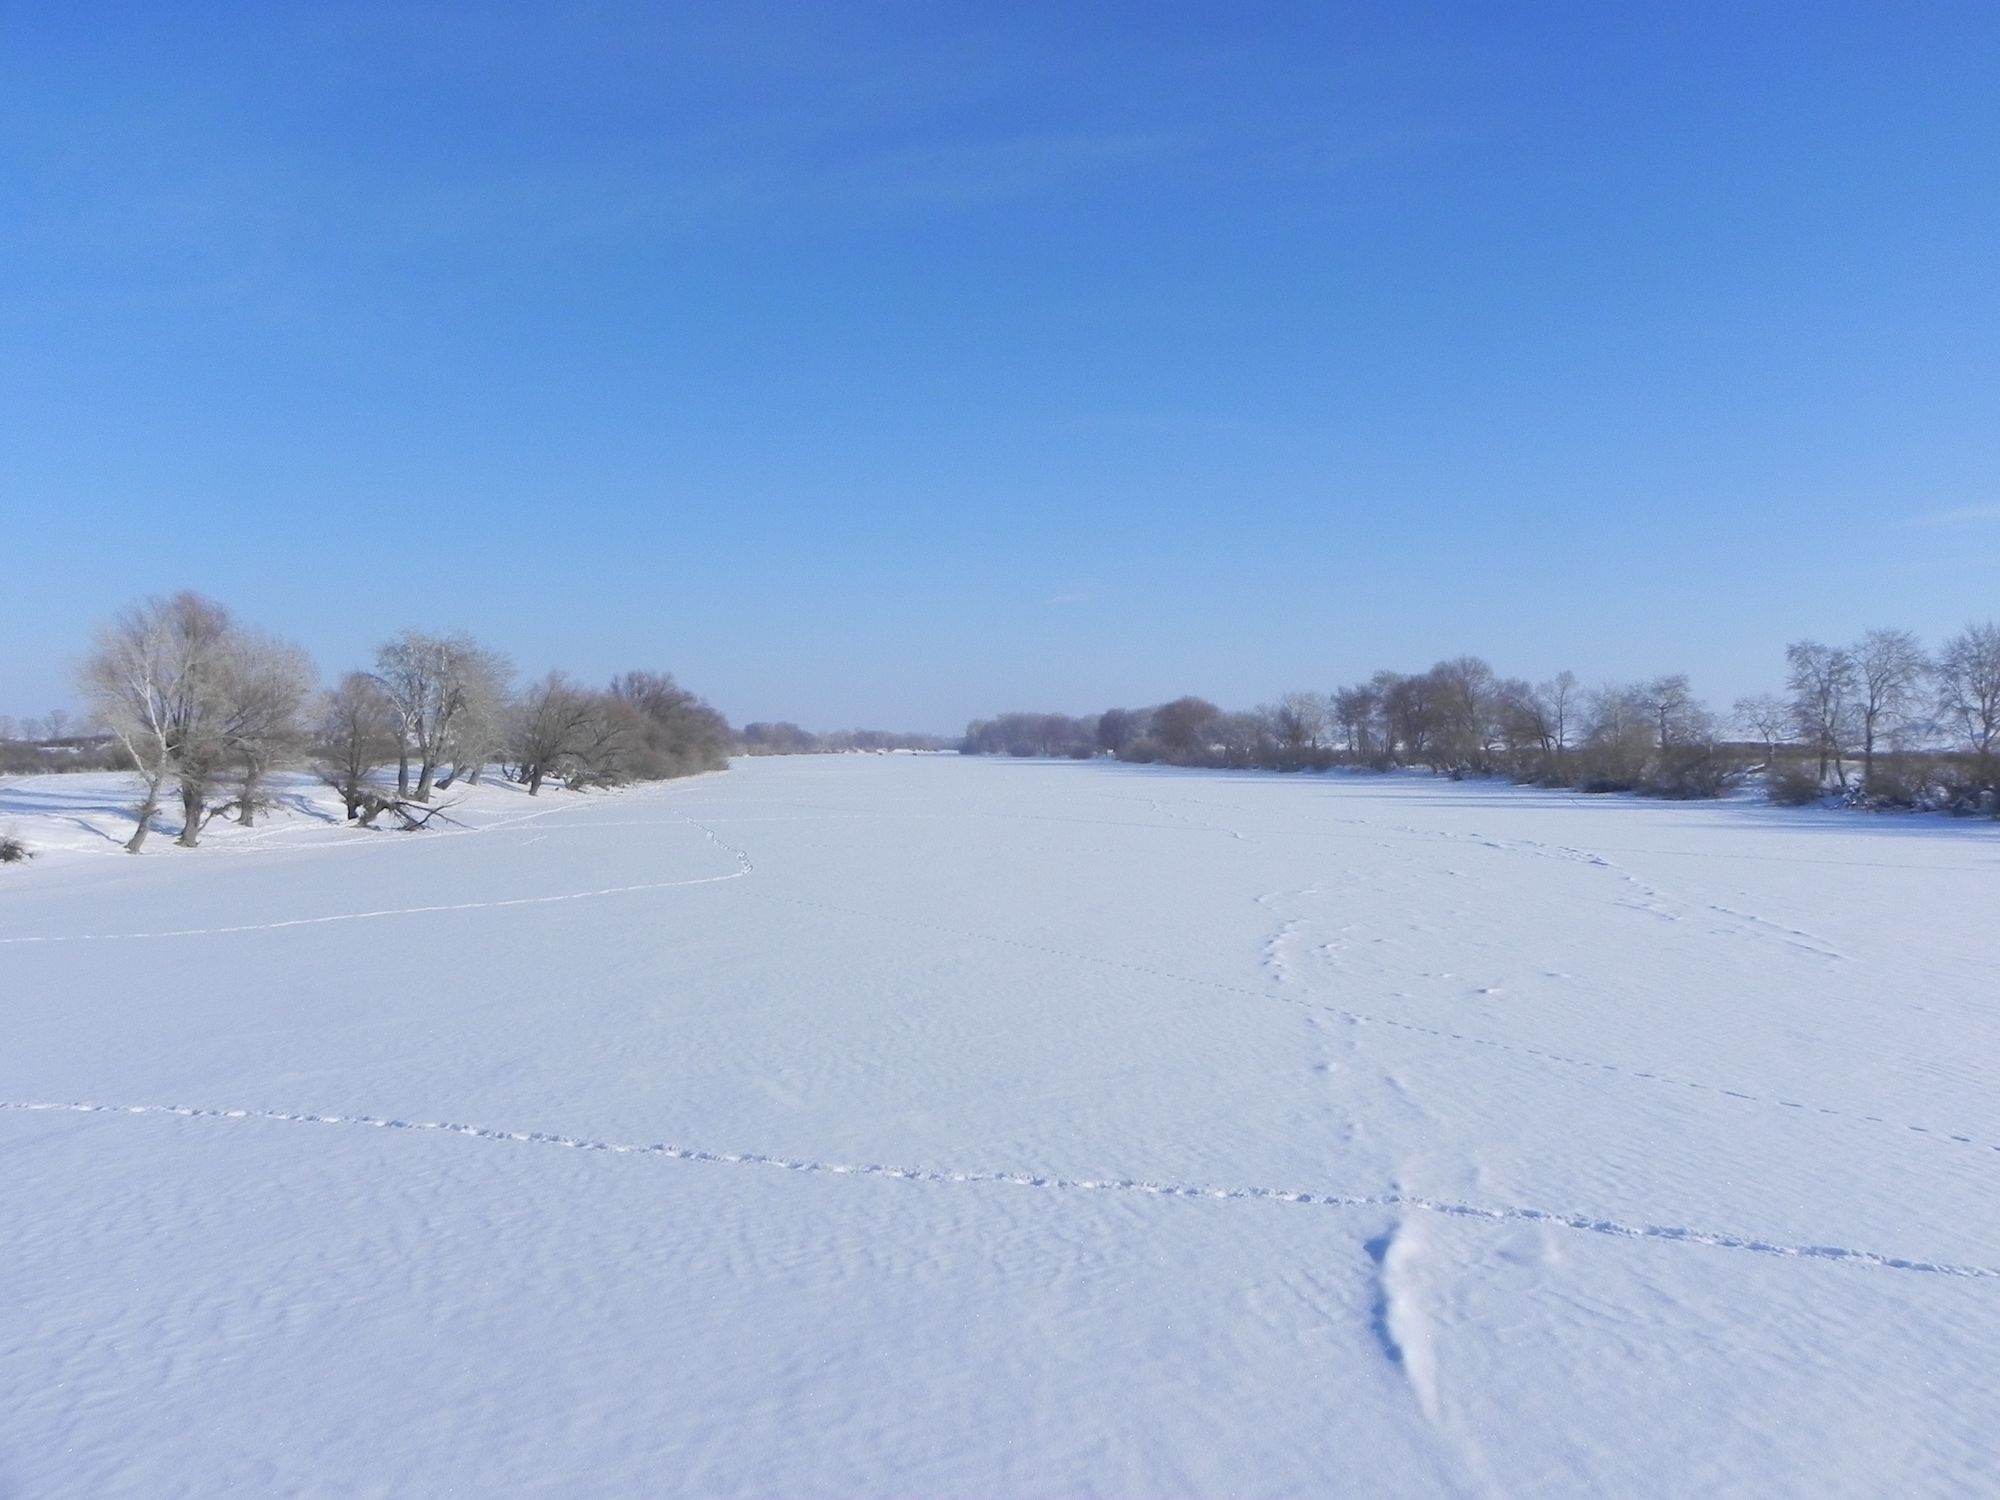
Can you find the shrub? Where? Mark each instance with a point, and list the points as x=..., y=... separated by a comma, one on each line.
x=1901, y=781
x=1793, y=784
x=1614, y=760
x=1691, y=772
x=12, y=850
x=1959, y=788
x=1601, y=782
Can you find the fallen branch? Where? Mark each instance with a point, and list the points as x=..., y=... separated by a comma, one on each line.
x=413, y=816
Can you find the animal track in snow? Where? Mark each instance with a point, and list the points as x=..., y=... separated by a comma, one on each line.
x=1502, y=1214
x=743, y=868
x=1651, y=899
x=1365, y=1018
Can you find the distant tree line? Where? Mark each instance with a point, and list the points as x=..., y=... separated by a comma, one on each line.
x=786, y=738
x=58, y=742
x=1882, y=722
x=202, y=708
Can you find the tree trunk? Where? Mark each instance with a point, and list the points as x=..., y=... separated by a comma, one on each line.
x=426, y=775
x=146, y=811
x=246, y=815
x=190, y=815
x=535, y=782
x=403, y=774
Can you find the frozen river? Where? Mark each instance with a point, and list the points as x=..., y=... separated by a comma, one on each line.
x=870, y=1126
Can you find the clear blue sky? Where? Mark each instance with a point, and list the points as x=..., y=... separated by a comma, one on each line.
x=889, y=364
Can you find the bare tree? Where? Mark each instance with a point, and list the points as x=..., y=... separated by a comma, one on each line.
x=668, y=730
x=1968, y=677
x=1410, y=715
x=554, y=721
x=1619, y=737
x=447, y=692
x=1765, y=716
x=1244, y=740
x=211, y=746
x=357, y=737
x=408, y=669
x=129, y=680
x=1297, y=723
x=1615, y=710
x=1823, y=685
x=1890, y=668
x=155, y=679
x=478, y=732
x=1561, y=693
x=1117, y=728
x=781, y=738
x=1187, y=729
x=1528, y=728
x=1678, y=716
x=1358, y=711
x=267, y=683
x=1464, y=688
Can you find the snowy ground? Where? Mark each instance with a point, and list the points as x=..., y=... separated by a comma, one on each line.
x=898, y=1125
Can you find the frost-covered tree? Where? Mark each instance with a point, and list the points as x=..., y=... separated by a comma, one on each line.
x=268, y=683
x=157, y=677
x=137, y=679
x=478, y=731
x=448, y=692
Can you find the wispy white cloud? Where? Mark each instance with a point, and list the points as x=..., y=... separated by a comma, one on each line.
x=1075, y=596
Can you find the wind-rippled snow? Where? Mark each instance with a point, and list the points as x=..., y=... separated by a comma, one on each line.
x=894, y=1125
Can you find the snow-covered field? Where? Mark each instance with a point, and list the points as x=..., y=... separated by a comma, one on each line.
x=922, y=1126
